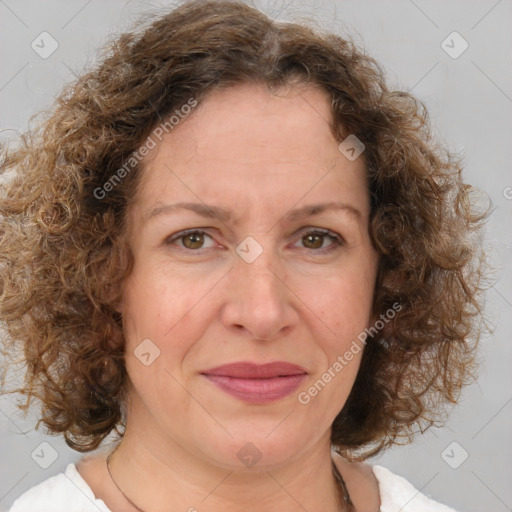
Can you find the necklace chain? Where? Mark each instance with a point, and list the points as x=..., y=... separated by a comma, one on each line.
x=345, y=496
x=119, y=488
x=343, y=487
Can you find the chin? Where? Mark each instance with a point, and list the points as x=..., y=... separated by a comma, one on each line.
x=254, y=448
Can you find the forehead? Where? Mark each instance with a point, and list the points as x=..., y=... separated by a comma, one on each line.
x=245, y=145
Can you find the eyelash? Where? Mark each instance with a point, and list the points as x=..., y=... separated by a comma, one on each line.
x=336, y=239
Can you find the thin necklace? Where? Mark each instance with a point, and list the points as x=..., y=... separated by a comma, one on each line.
x=345, y=496
x=343, y=488
x=119, y=488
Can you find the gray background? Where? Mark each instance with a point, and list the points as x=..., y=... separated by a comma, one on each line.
x=470, y=103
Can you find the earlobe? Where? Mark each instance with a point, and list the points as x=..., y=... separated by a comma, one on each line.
x=119, y=309
x=120, y=259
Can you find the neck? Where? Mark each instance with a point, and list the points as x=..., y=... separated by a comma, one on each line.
x=163, y=476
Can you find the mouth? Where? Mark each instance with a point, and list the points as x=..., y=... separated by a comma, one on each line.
x=255, y=383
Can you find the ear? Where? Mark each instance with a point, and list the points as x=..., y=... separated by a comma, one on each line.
x=118, y=259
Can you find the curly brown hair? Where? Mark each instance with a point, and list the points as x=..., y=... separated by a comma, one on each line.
x=63, y=254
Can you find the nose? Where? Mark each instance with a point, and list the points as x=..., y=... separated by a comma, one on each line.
x=260, y=298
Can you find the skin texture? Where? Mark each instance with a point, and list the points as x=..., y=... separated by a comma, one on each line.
x=259, y=155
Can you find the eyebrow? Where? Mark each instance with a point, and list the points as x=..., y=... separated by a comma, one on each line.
x=213, y=211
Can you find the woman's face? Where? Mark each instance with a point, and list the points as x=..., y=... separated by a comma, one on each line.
x=257, y=284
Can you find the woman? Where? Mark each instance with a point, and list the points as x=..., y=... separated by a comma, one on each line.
x=234, y=246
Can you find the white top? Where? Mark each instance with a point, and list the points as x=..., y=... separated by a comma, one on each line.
x=68, y=492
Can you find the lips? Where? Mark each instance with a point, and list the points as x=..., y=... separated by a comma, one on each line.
x=257, y=384
x=243, y=370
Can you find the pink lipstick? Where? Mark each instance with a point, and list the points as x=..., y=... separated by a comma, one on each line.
x=257, y=383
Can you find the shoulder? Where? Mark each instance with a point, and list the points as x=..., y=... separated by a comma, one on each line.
x=370, y=484
x=397, y=494
x=64, y=492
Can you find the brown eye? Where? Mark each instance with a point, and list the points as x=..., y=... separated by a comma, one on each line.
x=193, y=240
x=314, y=241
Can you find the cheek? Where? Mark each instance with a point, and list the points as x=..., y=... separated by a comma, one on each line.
x=157, y=301
x=170, y=310
x=157, y=332
x=343, y=305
